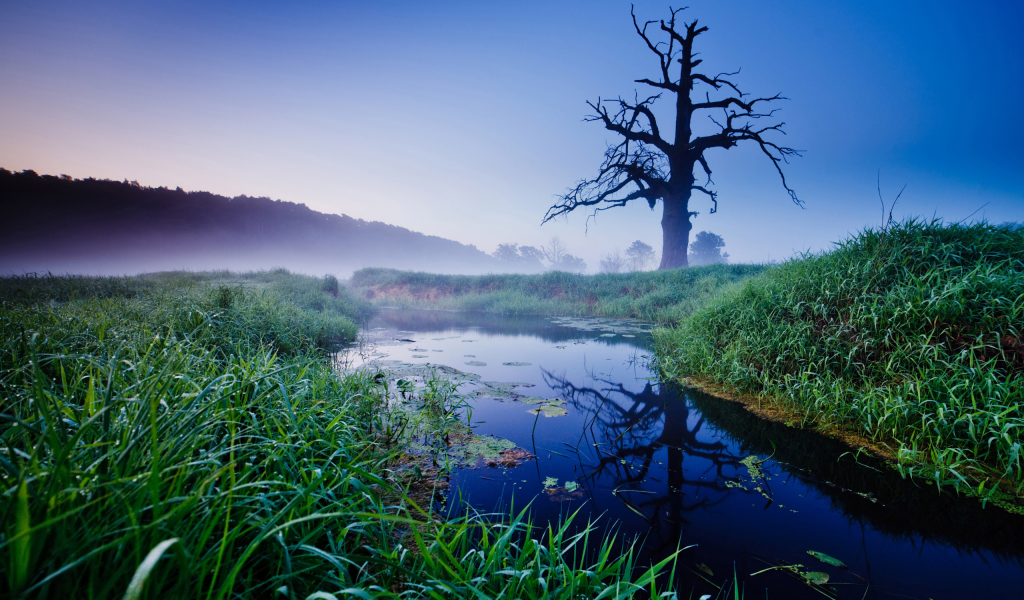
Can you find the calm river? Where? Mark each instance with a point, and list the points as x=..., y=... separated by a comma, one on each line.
x=678, y=467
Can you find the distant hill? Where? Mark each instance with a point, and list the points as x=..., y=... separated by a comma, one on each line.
x=96, y=226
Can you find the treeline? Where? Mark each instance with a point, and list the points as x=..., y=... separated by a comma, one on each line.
x=91, y=225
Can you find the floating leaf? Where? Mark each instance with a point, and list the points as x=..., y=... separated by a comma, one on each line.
x=476, y=363
x=517, y=364
x=816, y=577
x=550, y=482
x=570, y=486
x=706, y=569
x=825, y=558
x=549, y=410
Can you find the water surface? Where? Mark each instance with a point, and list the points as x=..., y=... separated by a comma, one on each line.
x=678, y=467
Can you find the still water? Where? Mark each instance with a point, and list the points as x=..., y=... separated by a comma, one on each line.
x=677, y=467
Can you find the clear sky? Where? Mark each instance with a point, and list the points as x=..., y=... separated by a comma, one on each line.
x=464, y=119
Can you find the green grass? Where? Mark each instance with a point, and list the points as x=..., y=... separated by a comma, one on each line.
x=911, y=336
x=184, y=435
x=662, y=296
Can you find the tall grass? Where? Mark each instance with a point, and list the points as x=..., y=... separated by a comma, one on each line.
x=663, y=296
x=161, y=441
x=910, y=335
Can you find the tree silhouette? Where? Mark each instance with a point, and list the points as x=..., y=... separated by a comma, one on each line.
x=639, y=255
x=613, y=262
x=645, y=165
x=558, y=255
x=706, y=249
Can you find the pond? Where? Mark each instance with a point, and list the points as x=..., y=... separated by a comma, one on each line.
x=678, y=467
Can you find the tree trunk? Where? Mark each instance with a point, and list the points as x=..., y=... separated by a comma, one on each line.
x=675, y=231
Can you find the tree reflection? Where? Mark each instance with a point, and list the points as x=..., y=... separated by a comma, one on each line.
x=624, y=432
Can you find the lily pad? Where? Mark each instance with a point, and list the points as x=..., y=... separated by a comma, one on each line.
x=505, y=386
x=825, y=558
x=549, y=410
x=476, y=363
x=517, y=364
x=420, y=356
x=570, y=486
x=469, y=355
x=816, y=577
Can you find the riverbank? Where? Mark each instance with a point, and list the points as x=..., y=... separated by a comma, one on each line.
x=908, y=336
x=657, y=296
x=198, y=418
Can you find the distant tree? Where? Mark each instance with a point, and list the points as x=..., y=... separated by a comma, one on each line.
x=638, y=256
x=507, y=253
x=557, y=254
x=706, y=249
x=519, y=258
x=613, y=262
x=570, y=263
x=647, y=165
x=555, y=250
x=531, y=254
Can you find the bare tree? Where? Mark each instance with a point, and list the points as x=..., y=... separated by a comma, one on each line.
x=558, y=255
x=555, y=250
x=645, y=165
x=613, y=262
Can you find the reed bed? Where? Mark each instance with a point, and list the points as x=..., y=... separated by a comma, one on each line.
x=909, y=334
x=193, y=441
x=661, y=296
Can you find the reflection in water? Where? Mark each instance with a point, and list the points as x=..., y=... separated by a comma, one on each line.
x=672, y=465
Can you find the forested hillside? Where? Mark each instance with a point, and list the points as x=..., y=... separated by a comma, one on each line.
x=61, y=224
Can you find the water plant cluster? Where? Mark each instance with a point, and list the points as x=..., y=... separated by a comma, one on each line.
x=910, y=335
x=187, y=436
x=662, y=296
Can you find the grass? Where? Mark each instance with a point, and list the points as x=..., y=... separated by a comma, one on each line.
x=184, y=435
x=662, y=296
x=909, y=335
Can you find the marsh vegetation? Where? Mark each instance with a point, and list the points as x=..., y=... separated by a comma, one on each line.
x=909, y=335
x=186, y=435
x=660, y=296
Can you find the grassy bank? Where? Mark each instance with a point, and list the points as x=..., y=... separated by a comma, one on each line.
x=662, y=296
x=910, y=336
x=185, y=436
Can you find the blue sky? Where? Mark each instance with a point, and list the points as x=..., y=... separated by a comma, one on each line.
x=464, y=119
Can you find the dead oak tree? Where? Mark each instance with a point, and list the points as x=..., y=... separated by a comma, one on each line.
x=645, y=165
